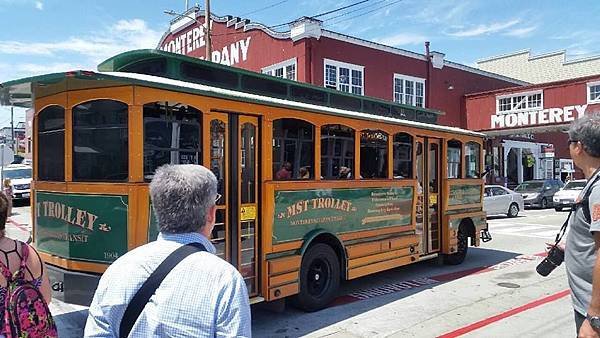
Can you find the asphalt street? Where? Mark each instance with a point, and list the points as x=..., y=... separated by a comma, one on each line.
x=494, y=293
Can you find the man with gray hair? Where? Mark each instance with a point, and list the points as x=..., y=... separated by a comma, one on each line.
x=583, y=240
x=201, y=296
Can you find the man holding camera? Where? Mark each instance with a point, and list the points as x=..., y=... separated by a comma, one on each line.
x=583, y=241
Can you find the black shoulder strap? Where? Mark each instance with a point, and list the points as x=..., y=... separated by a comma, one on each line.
x=141, y=298
x=585, y=205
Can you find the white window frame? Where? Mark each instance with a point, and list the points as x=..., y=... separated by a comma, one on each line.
x=282, y=65
x=589, y=86
x=351, y=67
x=409, y=78
x=527, y=108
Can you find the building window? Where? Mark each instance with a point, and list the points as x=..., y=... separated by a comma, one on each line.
x=409, y=90
x=519, y=102
x=285, y=69
x=293, y=149
x=345, y=77
x=593, y=92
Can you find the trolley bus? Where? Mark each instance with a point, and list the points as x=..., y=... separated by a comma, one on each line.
x=318, y=185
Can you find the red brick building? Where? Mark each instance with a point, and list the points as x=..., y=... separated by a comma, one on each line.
x=526, y=126
x=311, y=54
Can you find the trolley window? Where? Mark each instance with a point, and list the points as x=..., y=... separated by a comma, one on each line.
x=293, y=149
x=472, y=159
x=337, y=151
x=454, y=159
x=373, y=154
x=51, y=140
x=403, y=151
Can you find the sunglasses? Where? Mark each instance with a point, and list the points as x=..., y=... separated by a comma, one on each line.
x=572, y=141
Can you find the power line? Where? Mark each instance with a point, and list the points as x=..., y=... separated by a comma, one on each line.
x=265, y=8
x=355, y=10
x=365, y=13
x=340, y=9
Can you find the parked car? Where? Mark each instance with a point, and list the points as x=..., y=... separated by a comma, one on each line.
x=20, y=180
x=539, y=193
x=565, y=198
x=500, y=200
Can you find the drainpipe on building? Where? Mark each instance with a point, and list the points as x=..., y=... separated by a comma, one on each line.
x=427, y=81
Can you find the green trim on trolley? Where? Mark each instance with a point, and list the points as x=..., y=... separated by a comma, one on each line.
x=189, y=69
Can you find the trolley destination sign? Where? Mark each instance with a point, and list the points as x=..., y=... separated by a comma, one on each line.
x=299, y=211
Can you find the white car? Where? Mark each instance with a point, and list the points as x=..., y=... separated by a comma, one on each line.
x=19, y=176
x=500, y=200
x=565, y=197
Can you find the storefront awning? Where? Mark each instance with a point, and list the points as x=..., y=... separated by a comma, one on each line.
x=529, y=130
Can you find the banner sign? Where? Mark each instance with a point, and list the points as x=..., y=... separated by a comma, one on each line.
x=82, y=227
x=339, y=210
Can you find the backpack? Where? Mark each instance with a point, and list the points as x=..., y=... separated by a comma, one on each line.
x=26, y=313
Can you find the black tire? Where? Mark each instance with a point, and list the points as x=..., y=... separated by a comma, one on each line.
x=558, y=208
x=463, y=246
x=544, y=203
x=319, y=278
x=513, y=210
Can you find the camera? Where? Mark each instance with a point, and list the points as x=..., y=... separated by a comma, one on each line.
x=555, y=257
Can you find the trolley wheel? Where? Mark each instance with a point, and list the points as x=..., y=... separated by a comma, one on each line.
x=513, y=210
x=319, y=278
x=544, y=203
x=463, y=246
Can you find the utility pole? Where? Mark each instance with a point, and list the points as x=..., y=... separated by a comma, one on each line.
x=12, y=127
x=208, y=56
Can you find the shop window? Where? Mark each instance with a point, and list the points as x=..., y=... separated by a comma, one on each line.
x=171, y=135
x=293, y=149
x=403, y=151
x=373, y=154
x=454, y=159
x=337, y=152
x=593, y=92
x=51, y=140
x=285, y=69
x=100, y=141
x=472, y=160
x=409, y=90
x=519, y=102
x=345, y=77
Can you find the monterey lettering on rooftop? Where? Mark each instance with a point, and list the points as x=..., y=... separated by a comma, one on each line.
x=538, y=117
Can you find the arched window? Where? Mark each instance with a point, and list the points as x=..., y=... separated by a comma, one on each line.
x=337, y=152
x=293, y=149
x=403, y=151
x=51, y=144
x=454, y=159
x=373, y=154
x=472, y=160
x=171, y=135
x=100, y=141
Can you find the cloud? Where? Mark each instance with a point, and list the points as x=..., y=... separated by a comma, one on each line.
x=521, y=32
x=123, y=35
x=39, y=5
x=484, y=29
x=441, y=12
x=402, y=39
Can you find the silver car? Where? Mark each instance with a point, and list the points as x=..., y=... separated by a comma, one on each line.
x=565, y=197
x=500, y=200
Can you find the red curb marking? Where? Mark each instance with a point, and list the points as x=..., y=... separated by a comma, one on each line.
x=18, y=225
x=506, y=314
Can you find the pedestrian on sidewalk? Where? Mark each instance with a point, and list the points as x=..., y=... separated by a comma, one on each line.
x=203, y=296
x=583, y=240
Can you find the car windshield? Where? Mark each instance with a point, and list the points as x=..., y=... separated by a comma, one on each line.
x=530, y=186
x=575, y=185
x=17, y=173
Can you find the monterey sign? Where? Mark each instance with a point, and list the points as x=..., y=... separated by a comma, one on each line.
x=538, y=117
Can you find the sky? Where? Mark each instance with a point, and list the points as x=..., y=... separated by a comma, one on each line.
x=45, y=36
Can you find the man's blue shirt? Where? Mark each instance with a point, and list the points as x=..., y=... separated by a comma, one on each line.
x=203, y=296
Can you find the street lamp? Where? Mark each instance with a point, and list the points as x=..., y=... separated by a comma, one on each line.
x=205, y=26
